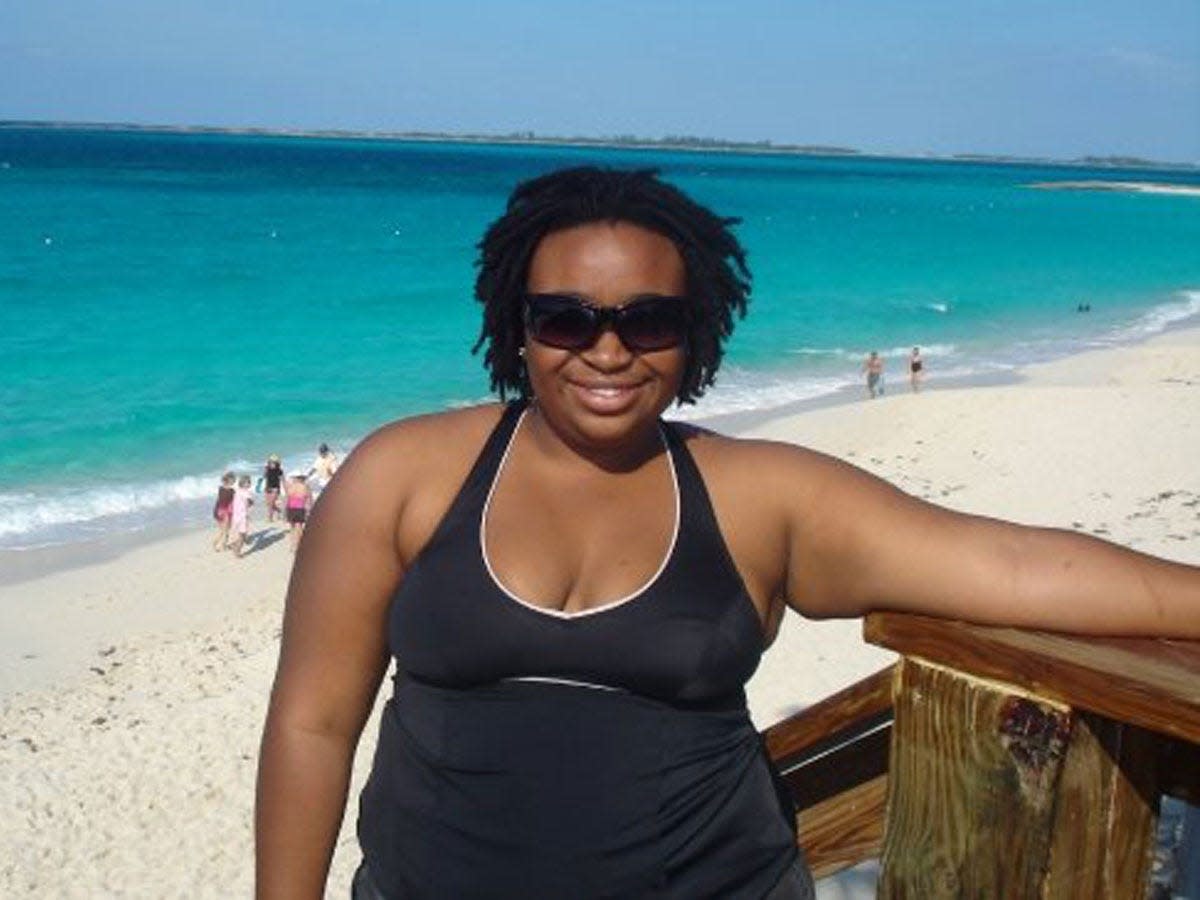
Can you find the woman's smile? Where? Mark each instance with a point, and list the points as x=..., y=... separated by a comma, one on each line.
x=605, y=396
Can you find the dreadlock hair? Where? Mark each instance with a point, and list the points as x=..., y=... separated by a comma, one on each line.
x=718, y=280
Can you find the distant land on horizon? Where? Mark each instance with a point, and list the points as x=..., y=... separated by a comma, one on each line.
x=634, y=142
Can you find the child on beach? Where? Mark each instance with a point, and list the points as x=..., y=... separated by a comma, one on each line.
x=223, y=512
x=243, y=499
x=299, y=499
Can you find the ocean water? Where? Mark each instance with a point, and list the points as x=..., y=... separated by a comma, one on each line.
x=172, y=305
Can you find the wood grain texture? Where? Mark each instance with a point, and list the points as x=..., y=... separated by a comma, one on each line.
x=845, y=830
x=1106, y=812
x=1153, y=684
x=970, y=806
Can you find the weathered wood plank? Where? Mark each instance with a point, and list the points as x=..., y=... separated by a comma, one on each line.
x=845, y=830
x=858, y=760
x=833, y=756
x=1154, y=684
x=970, y=804
x=814, y=729
x=1106, y=812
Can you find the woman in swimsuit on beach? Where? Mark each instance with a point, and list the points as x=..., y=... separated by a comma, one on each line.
x=299, y=499
x=915, y=366
x=575, y=591
x=272, y=484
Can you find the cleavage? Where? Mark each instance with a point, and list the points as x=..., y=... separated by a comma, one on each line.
x=571, y=543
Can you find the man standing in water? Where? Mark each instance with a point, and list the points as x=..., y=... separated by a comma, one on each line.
x=873, y=366
x=323, y=467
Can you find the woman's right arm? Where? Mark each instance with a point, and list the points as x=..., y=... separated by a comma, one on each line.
x=332, y=659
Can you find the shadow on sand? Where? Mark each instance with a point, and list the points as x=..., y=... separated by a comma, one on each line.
x=264, y=538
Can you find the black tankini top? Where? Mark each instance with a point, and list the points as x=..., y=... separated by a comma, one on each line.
x=530, y=753
x=273, y=473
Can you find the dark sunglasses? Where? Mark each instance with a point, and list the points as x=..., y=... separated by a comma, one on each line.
x=642, y=324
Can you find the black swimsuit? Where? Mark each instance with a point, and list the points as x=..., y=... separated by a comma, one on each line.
x=530, y=753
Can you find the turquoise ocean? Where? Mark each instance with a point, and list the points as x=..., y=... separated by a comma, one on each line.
x=175, y=305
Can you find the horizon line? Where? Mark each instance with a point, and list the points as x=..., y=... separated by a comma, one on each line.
x=685, y=143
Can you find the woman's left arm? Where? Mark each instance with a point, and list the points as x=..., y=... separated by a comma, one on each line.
x=857, y=544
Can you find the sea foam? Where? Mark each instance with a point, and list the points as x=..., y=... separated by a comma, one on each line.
x=1159, y=318
x=29, y=517
x=61, y=515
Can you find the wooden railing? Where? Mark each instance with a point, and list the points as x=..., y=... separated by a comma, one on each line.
x=995, y=762
x=834, y=758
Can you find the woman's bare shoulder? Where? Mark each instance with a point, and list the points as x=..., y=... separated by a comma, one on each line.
x=405, y=474
x=751, y=458
x=758, y=475
x=414, y=456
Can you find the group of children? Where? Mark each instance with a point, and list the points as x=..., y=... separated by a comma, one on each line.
x=235, y=496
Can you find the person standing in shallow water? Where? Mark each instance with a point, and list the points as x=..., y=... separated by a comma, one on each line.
x=916, y=367
x=873, y=367
x=576, y=591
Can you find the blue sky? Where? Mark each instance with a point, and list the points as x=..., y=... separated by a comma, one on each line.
x=1051, y=78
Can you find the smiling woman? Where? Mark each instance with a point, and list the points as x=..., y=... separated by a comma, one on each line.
x=576, y=592
x=605, y=396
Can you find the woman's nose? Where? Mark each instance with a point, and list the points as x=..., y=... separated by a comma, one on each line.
x=607, y=352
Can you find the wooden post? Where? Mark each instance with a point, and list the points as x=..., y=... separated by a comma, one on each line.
x=1107, y=812
x=974, y=768
x=1030, y=766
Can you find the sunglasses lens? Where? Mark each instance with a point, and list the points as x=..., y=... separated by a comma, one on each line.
x=652, y=324
x=561, y=322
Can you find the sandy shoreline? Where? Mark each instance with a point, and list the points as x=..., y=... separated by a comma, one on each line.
x=132, y=689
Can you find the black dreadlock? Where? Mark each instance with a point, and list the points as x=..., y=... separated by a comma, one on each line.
x=718, y=281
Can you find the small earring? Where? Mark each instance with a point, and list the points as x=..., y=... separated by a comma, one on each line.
x=521, y=352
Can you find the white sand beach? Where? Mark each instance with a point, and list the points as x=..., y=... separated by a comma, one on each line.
x=132, y=690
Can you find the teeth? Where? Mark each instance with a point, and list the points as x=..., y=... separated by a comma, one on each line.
x=605, y=391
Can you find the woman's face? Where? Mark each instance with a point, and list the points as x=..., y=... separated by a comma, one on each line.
x=605, y=394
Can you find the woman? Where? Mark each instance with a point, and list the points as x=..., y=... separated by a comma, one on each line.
x=273, y=481
x=915, y=366
x=576, y=592
x=299, y=500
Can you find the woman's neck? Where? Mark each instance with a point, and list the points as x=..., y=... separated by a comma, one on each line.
x=561, y=447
